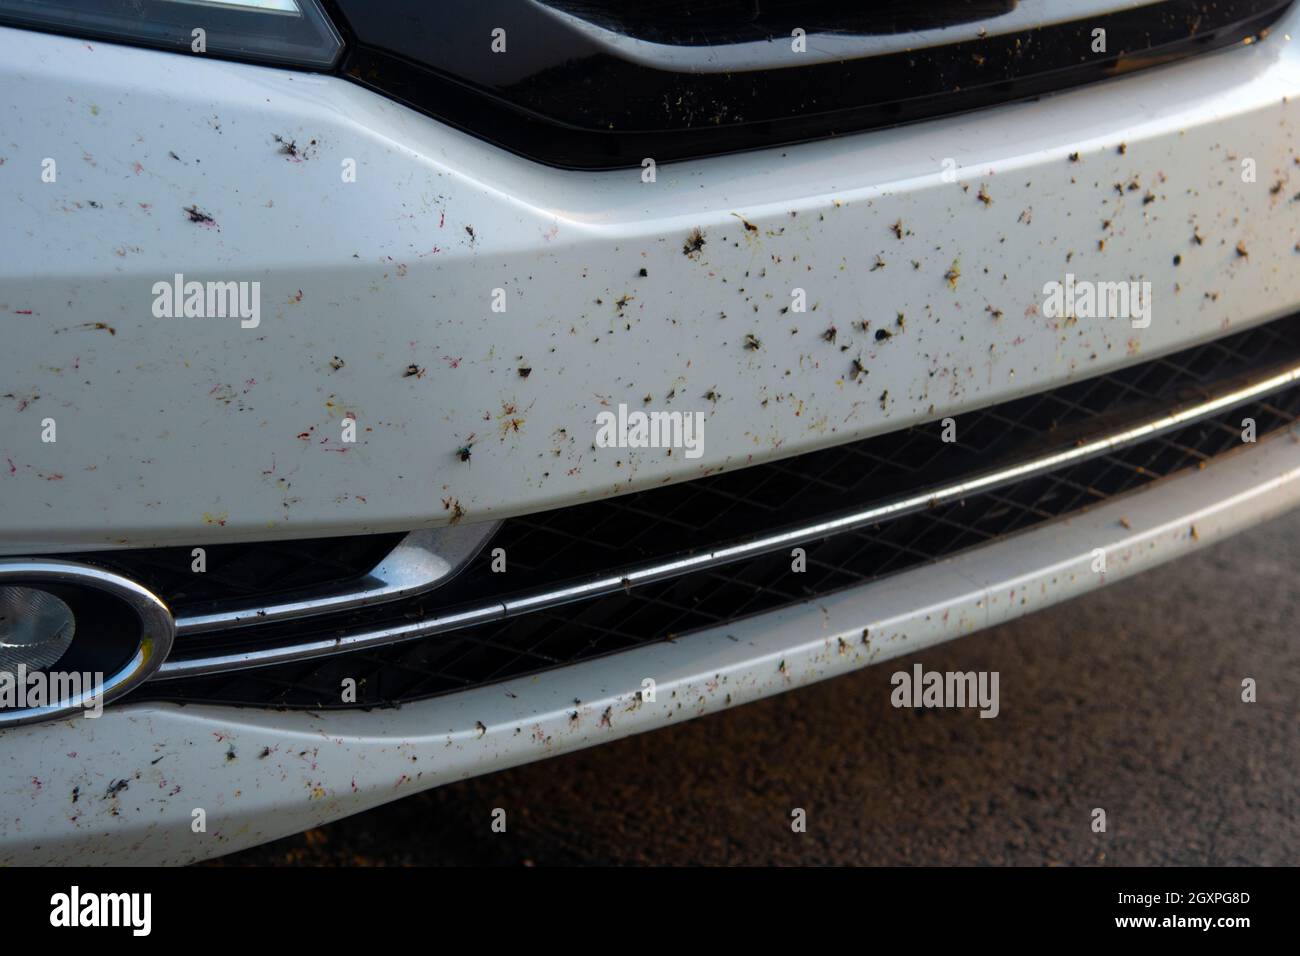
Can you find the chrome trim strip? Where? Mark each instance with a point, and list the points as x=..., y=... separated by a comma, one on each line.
x=647, y=574
x=157, y=631
x=420, y=562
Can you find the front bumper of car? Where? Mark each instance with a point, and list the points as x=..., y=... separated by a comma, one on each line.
x=381, y=300
x=259, y=774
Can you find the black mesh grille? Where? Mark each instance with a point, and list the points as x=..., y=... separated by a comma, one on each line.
x=240, y=572
x=569, y=543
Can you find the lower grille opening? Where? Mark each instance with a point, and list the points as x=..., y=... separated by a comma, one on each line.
x=256, y=571
x=564, y=547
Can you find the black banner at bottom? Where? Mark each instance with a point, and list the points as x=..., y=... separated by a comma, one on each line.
x=374, y=907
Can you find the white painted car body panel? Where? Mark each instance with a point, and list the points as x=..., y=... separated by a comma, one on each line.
x=259, y=775
x=186, y=431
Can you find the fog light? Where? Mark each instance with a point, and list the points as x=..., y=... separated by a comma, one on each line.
x=36, y=628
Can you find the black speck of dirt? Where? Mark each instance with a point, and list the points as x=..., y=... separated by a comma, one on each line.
x=198, y=215
x=116, y=787
x=230, y=753
x=470, y=230
x=882, y=334
x=93, y=204
x=156, y=760
x=1074, y=157
x=266, y=752
x=76, y=794
x=642, y=273
x=752, y=343
x=829, y=334
x=1122, y=148
x=693, y=244
x=465, y=451
x=288, y=147
x=1178, y=260
x=411, y=370
x=525, y=372
x=337, y=363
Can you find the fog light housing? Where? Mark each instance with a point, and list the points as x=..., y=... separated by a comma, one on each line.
x=122, y=631
x=36, y=628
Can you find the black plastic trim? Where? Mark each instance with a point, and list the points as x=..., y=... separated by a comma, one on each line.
x=562, y=100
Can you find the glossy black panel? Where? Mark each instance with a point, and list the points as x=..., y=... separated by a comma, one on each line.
x=564, y=94
x=715, y=22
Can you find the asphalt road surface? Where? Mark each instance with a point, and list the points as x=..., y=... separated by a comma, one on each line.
x=1128, y=699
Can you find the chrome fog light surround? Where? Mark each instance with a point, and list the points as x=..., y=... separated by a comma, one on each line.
x=107, y=624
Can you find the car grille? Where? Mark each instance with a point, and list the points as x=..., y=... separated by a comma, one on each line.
x=565, y=547
x=244, y=572
x=714, y=22
x=601, y=84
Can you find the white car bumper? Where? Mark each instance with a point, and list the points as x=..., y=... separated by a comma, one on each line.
x=193, y=431
x=125, y=788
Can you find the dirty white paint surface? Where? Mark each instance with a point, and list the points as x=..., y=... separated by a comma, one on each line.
x=376, y=295
x=123, y=788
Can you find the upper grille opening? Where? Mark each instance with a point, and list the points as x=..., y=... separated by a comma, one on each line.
x=599, y=84
x=707, y=22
